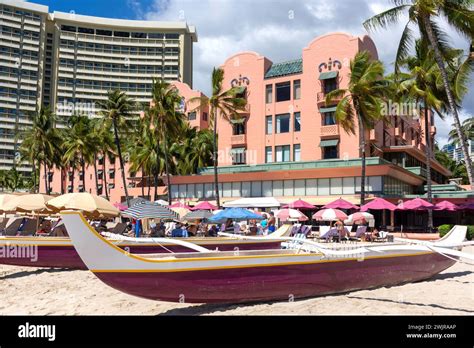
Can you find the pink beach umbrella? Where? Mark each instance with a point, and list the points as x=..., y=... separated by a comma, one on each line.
x=180, y=205
x=446, y=206
x=120, y=206
x=415, y=204
x=204, y=206
x=359, y=217
x=330, y=215
x=379, y=204
x=299, y=204
x=291, y=214
x=340, y=204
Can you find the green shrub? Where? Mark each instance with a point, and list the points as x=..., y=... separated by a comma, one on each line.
x=470, y=232
x=443, y=229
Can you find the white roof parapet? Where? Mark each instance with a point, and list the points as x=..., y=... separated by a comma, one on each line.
x=25, y=5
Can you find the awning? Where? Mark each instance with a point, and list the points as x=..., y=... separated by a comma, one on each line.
x=329, y=109
x=111, y=171
x=328, y=75
x=239, y=120
x=329, y=142
x=261, y=202
x=238, y=150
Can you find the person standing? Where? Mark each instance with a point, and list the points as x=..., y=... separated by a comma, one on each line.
x=271, y=223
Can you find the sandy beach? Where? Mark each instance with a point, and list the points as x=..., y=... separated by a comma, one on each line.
x=35, y=291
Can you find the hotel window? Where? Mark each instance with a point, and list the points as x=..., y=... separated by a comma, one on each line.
x=330, y=152
x=111, y=174
x=330, y=85
x=329, y=118
x=283, y=91
x=268, y=154
x=282, y=153
x=238, y=155
x=297, y=89
x=238, y=128
x=204, y=116
x=269, y=94
x=269, y=125
x=296, y=152
x=297, y=125
x=192, y=116
x=283, y=123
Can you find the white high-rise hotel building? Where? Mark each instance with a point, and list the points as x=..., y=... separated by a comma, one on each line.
x=70, y=61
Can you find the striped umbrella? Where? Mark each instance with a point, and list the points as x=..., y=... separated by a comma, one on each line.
x=291, y=214
x=330, y=215
x=149, y=210
x=360, y=217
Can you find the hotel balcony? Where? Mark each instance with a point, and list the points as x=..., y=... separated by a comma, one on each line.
x=321, y=99
x=238, y=139
x=330, y=131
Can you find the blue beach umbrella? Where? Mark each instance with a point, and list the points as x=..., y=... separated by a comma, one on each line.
x=236, y=214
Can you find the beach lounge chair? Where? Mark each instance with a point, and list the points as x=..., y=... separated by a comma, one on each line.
x=13, y=226
x=331, y=232
x=3, y=224
x=383, y=236
x=306, y=230
x=120, y=228
x=359, y=233
x=29, y=227
x=294, y=244
x=294, y=230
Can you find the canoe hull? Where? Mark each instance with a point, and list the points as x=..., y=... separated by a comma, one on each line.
x=286, y=282
x=42, y=253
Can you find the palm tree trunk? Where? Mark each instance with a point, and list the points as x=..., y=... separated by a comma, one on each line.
x=452, y=105
x=83, y=170
x=95, y=174
x=122, y=168
x=143, y=182
x=104, y=175
x=155, y=179
x=73, y=181
x=362, y=155
x=34, y=176
x=61, y=170
x=167, y=169
x=428, y=168
x=214, y=158
x=45, y=177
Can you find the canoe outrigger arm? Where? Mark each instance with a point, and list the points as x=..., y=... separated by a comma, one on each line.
x=192, y=246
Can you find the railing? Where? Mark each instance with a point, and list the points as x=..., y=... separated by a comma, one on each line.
x=238, y=139
x=329, y=130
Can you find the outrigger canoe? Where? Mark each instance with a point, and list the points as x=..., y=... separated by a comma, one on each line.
x=246, y=276
x=59, y=252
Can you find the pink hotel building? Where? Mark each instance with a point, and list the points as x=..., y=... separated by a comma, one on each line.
x=287, y=144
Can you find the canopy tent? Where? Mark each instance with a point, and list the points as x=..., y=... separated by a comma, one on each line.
x=5, y=198
x=291, y=215
x=467, y=206
x=198, y=215
x=90, y=205
x=149, y=210
x=300, y=204
x=379, y=204
x=261, y=202
x=180, y=205
x=340, y=204
x=32, y=203
x=181, y=211
x=330, y=215
x=446, y=206
x=205, y=205
x=236, y=214
x=415, y=204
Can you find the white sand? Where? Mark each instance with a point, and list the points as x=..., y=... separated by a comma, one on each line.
x=26, y=291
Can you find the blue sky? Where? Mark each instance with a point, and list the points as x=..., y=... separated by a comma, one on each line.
x=100, y=8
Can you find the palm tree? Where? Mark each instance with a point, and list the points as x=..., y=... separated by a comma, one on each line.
x=41, y=142
x=107, y=147
x=165, y=119
x=467, y=128
x=195, y=150
x=225, y=104
x=424, y=13
x=421, y=84
x=117, y=108
x=361, y=102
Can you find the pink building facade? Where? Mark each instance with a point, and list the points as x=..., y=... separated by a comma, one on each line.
x=109, y=173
